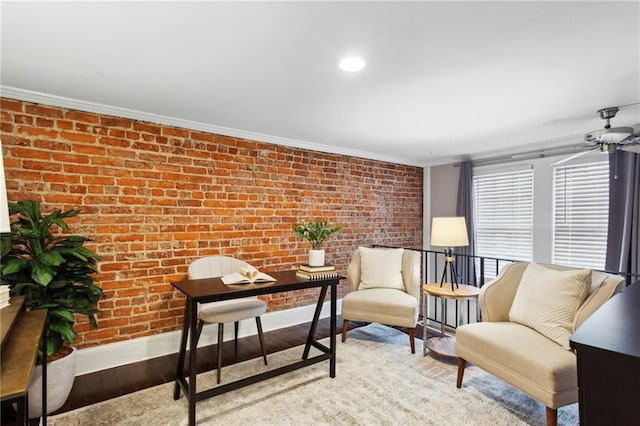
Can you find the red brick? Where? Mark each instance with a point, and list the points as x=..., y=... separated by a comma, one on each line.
x=60, y=178
x=44, y=122
x=85, y=117
x=65, y=125
x=11, y=105
x=40, y=165
x=43, y=111
x=81, y=169
x=30, y=153
x=173, y=131
x=70, y=158
x=64, y=199
x=89, y=149
x=146, y=127
x=78, y=137
x=36, y=131
x=115, y=122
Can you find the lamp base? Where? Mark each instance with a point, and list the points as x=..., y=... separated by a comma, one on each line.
x=448, y=259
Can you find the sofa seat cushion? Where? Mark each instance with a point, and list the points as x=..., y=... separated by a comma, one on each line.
x=523, y=358
x=381, y=305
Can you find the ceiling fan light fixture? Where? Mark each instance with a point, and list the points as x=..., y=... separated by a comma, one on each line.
x=608, y=147
x=352, y=63
x=614, y=135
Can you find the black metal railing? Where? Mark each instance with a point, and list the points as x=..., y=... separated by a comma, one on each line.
x=471, y=270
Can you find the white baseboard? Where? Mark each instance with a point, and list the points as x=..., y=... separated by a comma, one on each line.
x=120, y=353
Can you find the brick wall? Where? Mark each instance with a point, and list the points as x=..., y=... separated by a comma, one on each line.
x=155, y=197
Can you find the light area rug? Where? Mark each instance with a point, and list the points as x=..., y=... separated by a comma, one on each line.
x=378, y=382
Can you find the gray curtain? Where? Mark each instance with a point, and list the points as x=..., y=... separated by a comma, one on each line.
x=623, y=240
x=465, y=266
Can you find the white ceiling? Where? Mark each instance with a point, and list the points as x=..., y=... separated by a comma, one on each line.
x=444, y=80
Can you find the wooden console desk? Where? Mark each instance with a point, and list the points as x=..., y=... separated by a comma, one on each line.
x=608, y=349
x=213, y=290
x=22, y=335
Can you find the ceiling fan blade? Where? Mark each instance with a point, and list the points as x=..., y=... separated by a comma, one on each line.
x=571, y=157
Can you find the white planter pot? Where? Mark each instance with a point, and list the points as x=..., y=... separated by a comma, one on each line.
x=316, y=257
x=60, y=376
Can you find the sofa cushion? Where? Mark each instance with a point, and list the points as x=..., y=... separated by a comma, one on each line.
x=521, y=357
x=547, y=300
x=381, y=305
x=381, y=268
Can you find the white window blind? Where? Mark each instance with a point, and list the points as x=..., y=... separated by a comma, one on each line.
x=503, y=205
x=580, y=214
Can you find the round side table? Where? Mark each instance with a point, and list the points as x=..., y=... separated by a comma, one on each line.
x=444, y=344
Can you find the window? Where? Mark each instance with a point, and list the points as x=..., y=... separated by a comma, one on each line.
x=580, y=214
x=503, y=203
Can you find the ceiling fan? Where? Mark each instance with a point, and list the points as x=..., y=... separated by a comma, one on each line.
x=611, y=138
x=608, y=139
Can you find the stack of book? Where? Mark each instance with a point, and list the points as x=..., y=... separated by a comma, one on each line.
x=316, y=272
x=4, y=296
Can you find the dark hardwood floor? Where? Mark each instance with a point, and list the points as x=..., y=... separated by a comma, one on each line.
x=106, y=384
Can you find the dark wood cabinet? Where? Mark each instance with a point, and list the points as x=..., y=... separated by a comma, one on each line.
x=608, y=350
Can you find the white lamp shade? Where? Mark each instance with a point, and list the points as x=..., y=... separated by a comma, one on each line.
x=4, y=206
x=449, y=232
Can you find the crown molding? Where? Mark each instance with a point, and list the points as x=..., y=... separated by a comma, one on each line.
x=77, y=104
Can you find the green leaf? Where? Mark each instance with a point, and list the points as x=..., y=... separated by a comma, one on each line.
x=53, y=346
x=65, y=331
x=88, y=253
x=41, y=273
x=19, y=289
x=5, y=245
x=13, y=265
x=61, y=313
x=57, y=284
x=52, y=258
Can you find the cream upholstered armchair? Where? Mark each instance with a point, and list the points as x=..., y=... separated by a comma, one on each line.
x=384, y=287
x=528, y=314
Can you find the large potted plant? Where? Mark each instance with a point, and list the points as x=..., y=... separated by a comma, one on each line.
x=316, y=233
x=53, y=272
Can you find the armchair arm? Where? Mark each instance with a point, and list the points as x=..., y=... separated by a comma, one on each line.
x=353, y=272
x=497, y=296
x=411, y=272
x=611, y=285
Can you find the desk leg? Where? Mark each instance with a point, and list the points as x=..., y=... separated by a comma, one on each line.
x=316, y=317
x=332, y=329
x=193, y=319
x=21, y=410
x=44, y=371
x=182, y=352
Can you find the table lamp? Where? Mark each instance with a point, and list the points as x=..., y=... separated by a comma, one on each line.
x=449, y=232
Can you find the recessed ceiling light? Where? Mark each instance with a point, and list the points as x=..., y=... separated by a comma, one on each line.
x=352, y=64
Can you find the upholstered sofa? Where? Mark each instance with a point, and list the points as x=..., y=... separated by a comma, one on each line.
x=520, y=354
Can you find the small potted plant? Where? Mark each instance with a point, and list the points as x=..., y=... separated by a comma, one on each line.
x=53, y=272
x=316, y=233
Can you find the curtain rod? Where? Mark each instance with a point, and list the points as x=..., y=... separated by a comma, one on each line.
x=527, y=155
